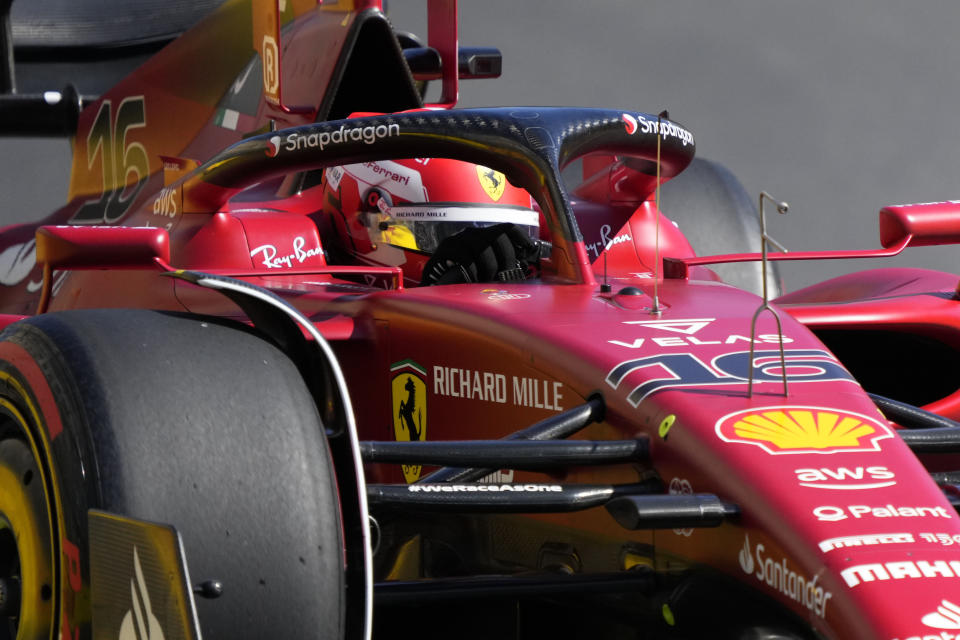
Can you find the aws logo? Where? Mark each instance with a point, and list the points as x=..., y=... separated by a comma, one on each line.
x=846, y=479
x=409, y=391
x=493, y=182
x=785, y=430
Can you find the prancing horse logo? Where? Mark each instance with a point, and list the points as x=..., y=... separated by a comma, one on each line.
x=409, y=390
x=493, y=182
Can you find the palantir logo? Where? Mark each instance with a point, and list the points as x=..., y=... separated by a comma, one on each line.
x=140, y=623
x=746, y=556
x=947, y=616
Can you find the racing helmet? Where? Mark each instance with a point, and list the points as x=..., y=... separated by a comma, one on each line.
x=440, y=220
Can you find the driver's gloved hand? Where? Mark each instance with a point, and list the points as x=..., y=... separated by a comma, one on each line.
x=498, y=253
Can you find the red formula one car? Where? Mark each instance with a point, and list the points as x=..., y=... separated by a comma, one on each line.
x=304, y=356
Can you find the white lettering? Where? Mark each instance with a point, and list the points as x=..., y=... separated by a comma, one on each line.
x=165, y=204
x=270, y=259
x=681, y=341
x=865, y=540
x=860, y=511
x=666, y=129
x=781, y=577
x=484, y=488
x=877, y=571
x=321, y=139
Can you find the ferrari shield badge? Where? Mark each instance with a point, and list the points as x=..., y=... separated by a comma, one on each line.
x=493, y=182
x=409, y=390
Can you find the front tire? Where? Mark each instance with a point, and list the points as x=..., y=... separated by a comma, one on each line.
x=717, y=215
x=172, y=419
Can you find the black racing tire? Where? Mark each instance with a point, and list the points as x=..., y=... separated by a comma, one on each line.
x=174, y=419
x=717, y=215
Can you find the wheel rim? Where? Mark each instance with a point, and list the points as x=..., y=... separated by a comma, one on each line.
x=26, y=544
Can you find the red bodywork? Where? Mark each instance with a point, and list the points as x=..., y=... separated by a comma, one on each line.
x=841, y=523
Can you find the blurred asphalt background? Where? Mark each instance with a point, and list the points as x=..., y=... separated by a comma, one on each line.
x=839, y=108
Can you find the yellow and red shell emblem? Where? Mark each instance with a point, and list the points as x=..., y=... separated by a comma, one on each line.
x=784, y=430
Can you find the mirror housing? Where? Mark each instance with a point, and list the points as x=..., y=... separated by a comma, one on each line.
x=101, y=247
x=925, y=224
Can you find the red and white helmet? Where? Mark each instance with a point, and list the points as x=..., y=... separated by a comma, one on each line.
x=399, y=212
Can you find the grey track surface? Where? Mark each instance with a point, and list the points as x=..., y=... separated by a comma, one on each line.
x=838, y=108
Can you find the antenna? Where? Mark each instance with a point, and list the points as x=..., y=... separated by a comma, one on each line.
x=655, y=309
x=782, y=208
x=605, y=287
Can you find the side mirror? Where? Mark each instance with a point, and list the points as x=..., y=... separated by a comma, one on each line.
x=98, y=247
x=920, y=225
x=101, y=247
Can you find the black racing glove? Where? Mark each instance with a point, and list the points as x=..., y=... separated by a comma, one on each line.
x=498, y=253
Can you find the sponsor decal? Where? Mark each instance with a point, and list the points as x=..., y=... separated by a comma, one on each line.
x=400, y=181
x=867, y=540
x=227, y=118
x=321, y=139
x=273, y=146
x=681, y=487
x=270, y=55
x=845, y=479
x=453, y=382
x=688, y=327
x=679, y=341
x=678, y=370
x=498, y=477
x=830, y=513
x=665, y=128
x=947, y=616
x=409, y=390
x=883, y=571
x=493, y=182
x=500, y=294
x=17, y=261
x=239, y=83
x=778, y=575
x=606, y=241
x=140, y=623
x=267, y=254
x=334, y=175
x=791, y=430
x=484, y=488
x=455, y=213
x=946, y=539
x=165, y=204
x=59, y=278
x=387, y=171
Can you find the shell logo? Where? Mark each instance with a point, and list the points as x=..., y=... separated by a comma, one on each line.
x=786, y=430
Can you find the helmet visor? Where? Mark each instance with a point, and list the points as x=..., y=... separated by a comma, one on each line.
x=424, y=226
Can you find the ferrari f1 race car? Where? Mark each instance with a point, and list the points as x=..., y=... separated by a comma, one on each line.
x=305, y=355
